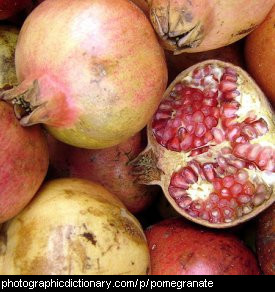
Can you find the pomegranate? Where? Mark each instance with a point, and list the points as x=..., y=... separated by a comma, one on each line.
x=260, y=55
x=87, y=81
x=178, y=248
x=211, y=146
x=8, y=39
x=202, y=25
x=266, y=241
x=73, y=227
x=177, y=63
x=108, y=167
x=23, y=163
x=9, y=8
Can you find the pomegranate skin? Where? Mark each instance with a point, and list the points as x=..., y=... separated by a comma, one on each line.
x=202, y=25
x=23, y=163
x=109, y=167
x=265, y=241
x=260, y=55
x=179, y=248
x=94, y=92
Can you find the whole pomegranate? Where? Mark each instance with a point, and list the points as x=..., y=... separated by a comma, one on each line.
x=177, y=63
x=96, y=78
x=202, y=25
x=23, y=163
x=178, y=248
x=211, y=146
x=9, y=8
x=260, y=55
x=265, y=241
x=73, y=227
x=108, y=167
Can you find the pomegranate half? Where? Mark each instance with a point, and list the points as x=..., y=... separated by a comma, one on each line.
x=92, y=71
x=211, y=146
x=202, y=25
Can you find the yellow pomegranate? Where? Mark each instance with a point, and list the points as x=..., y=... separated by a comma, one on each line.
x=73, y=226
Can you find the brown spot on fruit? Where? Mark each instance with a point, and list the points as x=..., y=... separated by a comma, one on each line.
x=90, y=237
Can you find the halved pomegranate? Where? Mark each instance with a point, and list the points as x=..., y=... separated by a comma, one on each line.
x=211, y=146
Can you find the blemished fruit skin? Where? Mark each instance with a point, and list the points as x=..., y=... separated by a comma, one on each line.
x=73, y=227
x=180, y=248
x=24, y=160
x=265, y=241
x=201, y=25
x=93, y=89
x=260, y=55
x=8, y=40
x=109, y=167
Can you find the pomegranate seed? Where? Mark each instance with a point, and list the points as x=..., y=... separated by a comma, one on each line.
x=209, y=171
x=174, y=144
x=214, y=197
x=198, y=73
x=241, y=150
x=228, y=110
x=233, y=203
x=198, y=117
x=218, y=135
x=215, y=216
x=222, y=162
x=210, y=101
x=161, y=115
x=210, y=122
x=206, y=110
x=232, y=133
x=204, y=215
x=229, y=77
x=231, y=94
x=261, y=189
x=225, y=192
x=228, y=181
x=190, y=128
x=236, y=189
x=270, y=166
x=186, y=143
x=244, y=199
x=264, y=156
x=254, y=151
x=184, y=202
x=189, y=175
x=178, y=181
x=228, y=122
x=198, y=96
x=207, y=70
x=227, y=86
x=241, y=176
x=248, y=188
x=231, y=169
x=231, y=71
x=260, y=126
x=258, y=199
x=249, y=132
x=238, y=163
x=215, y=112
x=176, y=193
x=200, y=130
x=223, y=203
x=178, y=87
x=247, y=209
x=217, y=183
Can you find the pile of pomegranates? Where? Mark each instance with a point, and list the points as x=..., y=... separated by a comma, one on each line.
x=137, y=137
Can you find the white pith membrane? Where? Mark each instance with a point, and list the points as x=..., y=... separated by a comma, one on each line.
x=188, y=186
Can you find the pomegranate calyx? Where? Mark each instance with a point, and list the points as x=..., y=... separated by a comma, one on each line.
x=33, y=102
x=145, y=168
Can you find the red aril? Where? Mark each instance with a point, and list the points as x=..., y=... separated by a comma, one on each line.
x=179, y=248
x=218, y=149
x=96, y=78
x=23, y=163
x=197, y=26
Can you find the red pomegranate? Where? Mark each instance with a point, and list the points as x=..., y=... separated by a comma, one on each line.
x=211, y=146
x=202, y=25
x=9, y=8
x=178, y=248
x=260, y=55
x=87, y=79
x=23, y=163
x=108, y=167
x=265, y=241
